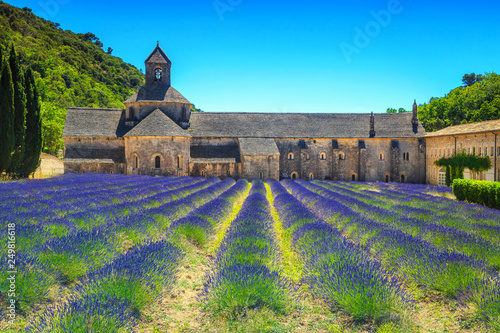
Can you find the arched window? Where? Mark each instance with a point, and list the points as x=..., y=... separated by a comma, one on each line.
x=202, y=173
x=295, y=175
x=403, y=178
x=229, y=172
x=322, y=156
x=136, y=161
x=381, y=156
x=353, y=177
x=387, y=178
x=408, y=155
x=341, y=156
x=157, y=162
x=290, y=156
x=261, y=175
x=311, y=176
x=158, y=74
x=179, y=161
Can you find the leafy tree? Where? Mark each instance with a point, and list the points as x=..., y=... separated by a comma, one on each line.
x=479, y=101
x=19, y=111
x=110, y=50
x=7, y=138
x=69, y=69
x=470, y=79
x=33, y=138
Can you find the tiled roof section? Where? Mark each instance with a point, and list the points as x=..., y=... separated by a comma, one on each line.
x=158, y=56
x=89, y=160
x=157, y=92
x=258, y=146
x=302, y=125
x=157, y=124
x=212, y=160
x=210, y=154
x=480, y=127
x=87, y=122
x=116, y=155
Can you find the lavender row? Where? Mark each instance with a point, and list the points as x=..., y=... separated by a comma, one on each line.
x=242, y=275
x=410, y=194
x=412, y=258
x=443, y=237
x=335, y=268
x=112, y=298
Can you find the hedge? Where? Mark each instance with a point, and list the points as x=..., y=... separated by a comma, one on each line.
x=477, y=191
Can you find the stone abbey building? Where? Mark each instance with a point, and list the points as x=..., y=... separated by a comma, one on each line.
x=156, y=134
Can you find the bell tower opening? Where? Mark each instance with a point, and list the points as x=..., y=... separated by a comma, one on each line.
x=158, y=67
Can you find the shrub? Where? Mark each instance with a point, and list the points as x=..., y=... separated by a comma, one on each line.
x=481, y=192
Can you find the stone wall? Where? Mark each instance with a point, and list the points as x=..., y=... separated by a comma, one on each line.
x=95, y=148
x=445, y=146
x=261, y=167
x=169, y=150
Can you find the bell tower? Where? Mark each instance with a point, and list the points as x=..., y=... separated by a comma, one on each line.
x=158, y=67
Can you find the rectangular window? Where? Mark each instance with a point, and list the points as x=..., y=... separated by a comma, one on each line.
x=480, y=148
x=468, y=151
x=498, y=151
x=492, y=151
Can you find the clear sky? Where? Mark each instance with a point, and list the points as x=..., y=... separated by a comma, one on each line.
x=296, y=56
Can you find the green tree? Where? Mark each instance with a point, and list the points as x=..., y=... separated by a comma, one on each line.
x=470, y=79
x=33, y=138
x=19, y=112
x=7, y=138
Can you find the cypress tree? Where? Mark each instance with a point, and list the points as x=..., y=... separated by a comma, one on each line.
x=7, y=138
x=19, y=112
x=33, y=137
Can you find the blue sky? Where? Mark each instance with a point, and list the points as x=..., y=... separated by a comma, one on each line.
x=304, y=56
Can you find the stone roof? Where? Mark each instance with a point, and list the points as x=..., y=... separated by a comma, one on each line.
x=157, y=124
x=88, y=122
x=91, y=160
x=302, y=125
x=157, y=92
x=480, y=127
x=158, y=56
x=214, y=154
x=258, y=146
x=88, y=152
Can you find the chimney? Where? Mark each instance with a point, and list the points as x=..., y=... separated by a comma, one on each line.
x=414, y=118
x=372, y=126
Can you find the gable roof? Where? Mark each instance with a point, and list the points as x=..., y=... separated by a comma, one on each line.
x=258, y=146
x=88, y=122
x=157, y=124
x=157, y=92
x=214, y=154
x=302, y=125
x=480, y=127
x=158, y=56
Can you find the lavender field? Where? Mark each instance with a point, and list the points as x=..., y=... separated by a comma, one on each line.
x=112, y=253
